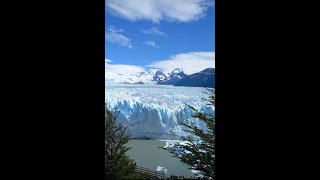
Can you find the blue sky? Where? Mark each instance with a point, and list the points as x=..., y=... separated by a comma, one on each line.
x=160, y=34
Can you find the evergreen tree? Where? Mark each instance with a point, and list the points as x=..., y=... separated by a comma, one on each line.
x=201, y=145
x=118, y=165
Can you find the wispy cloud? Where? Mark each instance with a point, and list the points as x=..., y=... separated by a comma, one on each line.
x=190, y=63
x=159, y=10
x=108, y=61
x=115, y=30
x=113, y=36
x=155, y=31
x=151, y=43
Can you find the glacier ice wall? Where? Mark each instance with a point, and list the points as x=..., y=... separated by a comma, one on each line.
x=155, y=111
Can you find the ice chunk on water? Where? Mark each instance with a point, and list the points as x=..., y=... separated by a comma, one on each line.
x=159, y=168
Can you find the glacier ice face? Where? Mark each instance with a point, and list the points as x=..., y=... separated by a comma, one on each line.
x=155, y=111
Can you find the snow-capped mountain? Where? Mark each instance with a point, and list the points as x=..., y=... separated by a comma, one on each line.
x=204, y=78
x=159, y=77
x=173, y=77
x=177, y=77
x=146, y=77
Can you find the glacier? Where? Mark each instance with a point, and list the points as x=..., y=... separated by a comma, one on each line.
x=155, y=111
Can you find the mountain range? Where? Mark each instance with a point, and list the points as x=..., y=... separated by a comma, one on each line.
x=204, y=78
x=170, y=79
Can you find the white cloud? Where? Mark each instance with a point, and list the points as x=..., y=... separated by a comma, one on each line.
x=123, y=68
x=190, y=63
x=114, y=69
x=113, y=36
x=151, y=43
x=155, y=31
x=159, y=10
x=108, y=61
x=115, y=30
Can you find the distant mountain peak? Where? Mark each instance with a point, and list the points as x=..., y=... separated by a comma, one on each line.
x=159, y=76
x=159, y=73
x=176, y=71
x=208, y=71
x=169, y=78
x=204, y=78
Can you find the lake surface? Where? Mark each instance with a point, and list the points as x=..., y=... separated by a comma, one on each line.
x=147, y=154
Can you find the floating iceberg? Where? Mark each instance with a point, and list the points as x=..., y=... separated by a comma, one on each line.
x=159, y=168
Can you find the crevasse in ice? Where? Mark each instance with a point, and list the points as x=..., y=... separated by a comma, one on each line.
x=156, y=112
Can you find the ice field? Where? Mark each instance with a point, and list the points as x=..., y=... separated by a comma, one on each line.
x=155, y=111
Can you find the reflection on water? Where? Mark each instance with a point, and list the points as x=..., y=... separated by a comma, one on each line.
x=147, y=154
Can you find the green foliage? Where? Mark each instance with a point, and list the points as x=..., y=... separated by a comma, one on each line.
x=202, y=156
x=135, y=176
x=118, y=165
